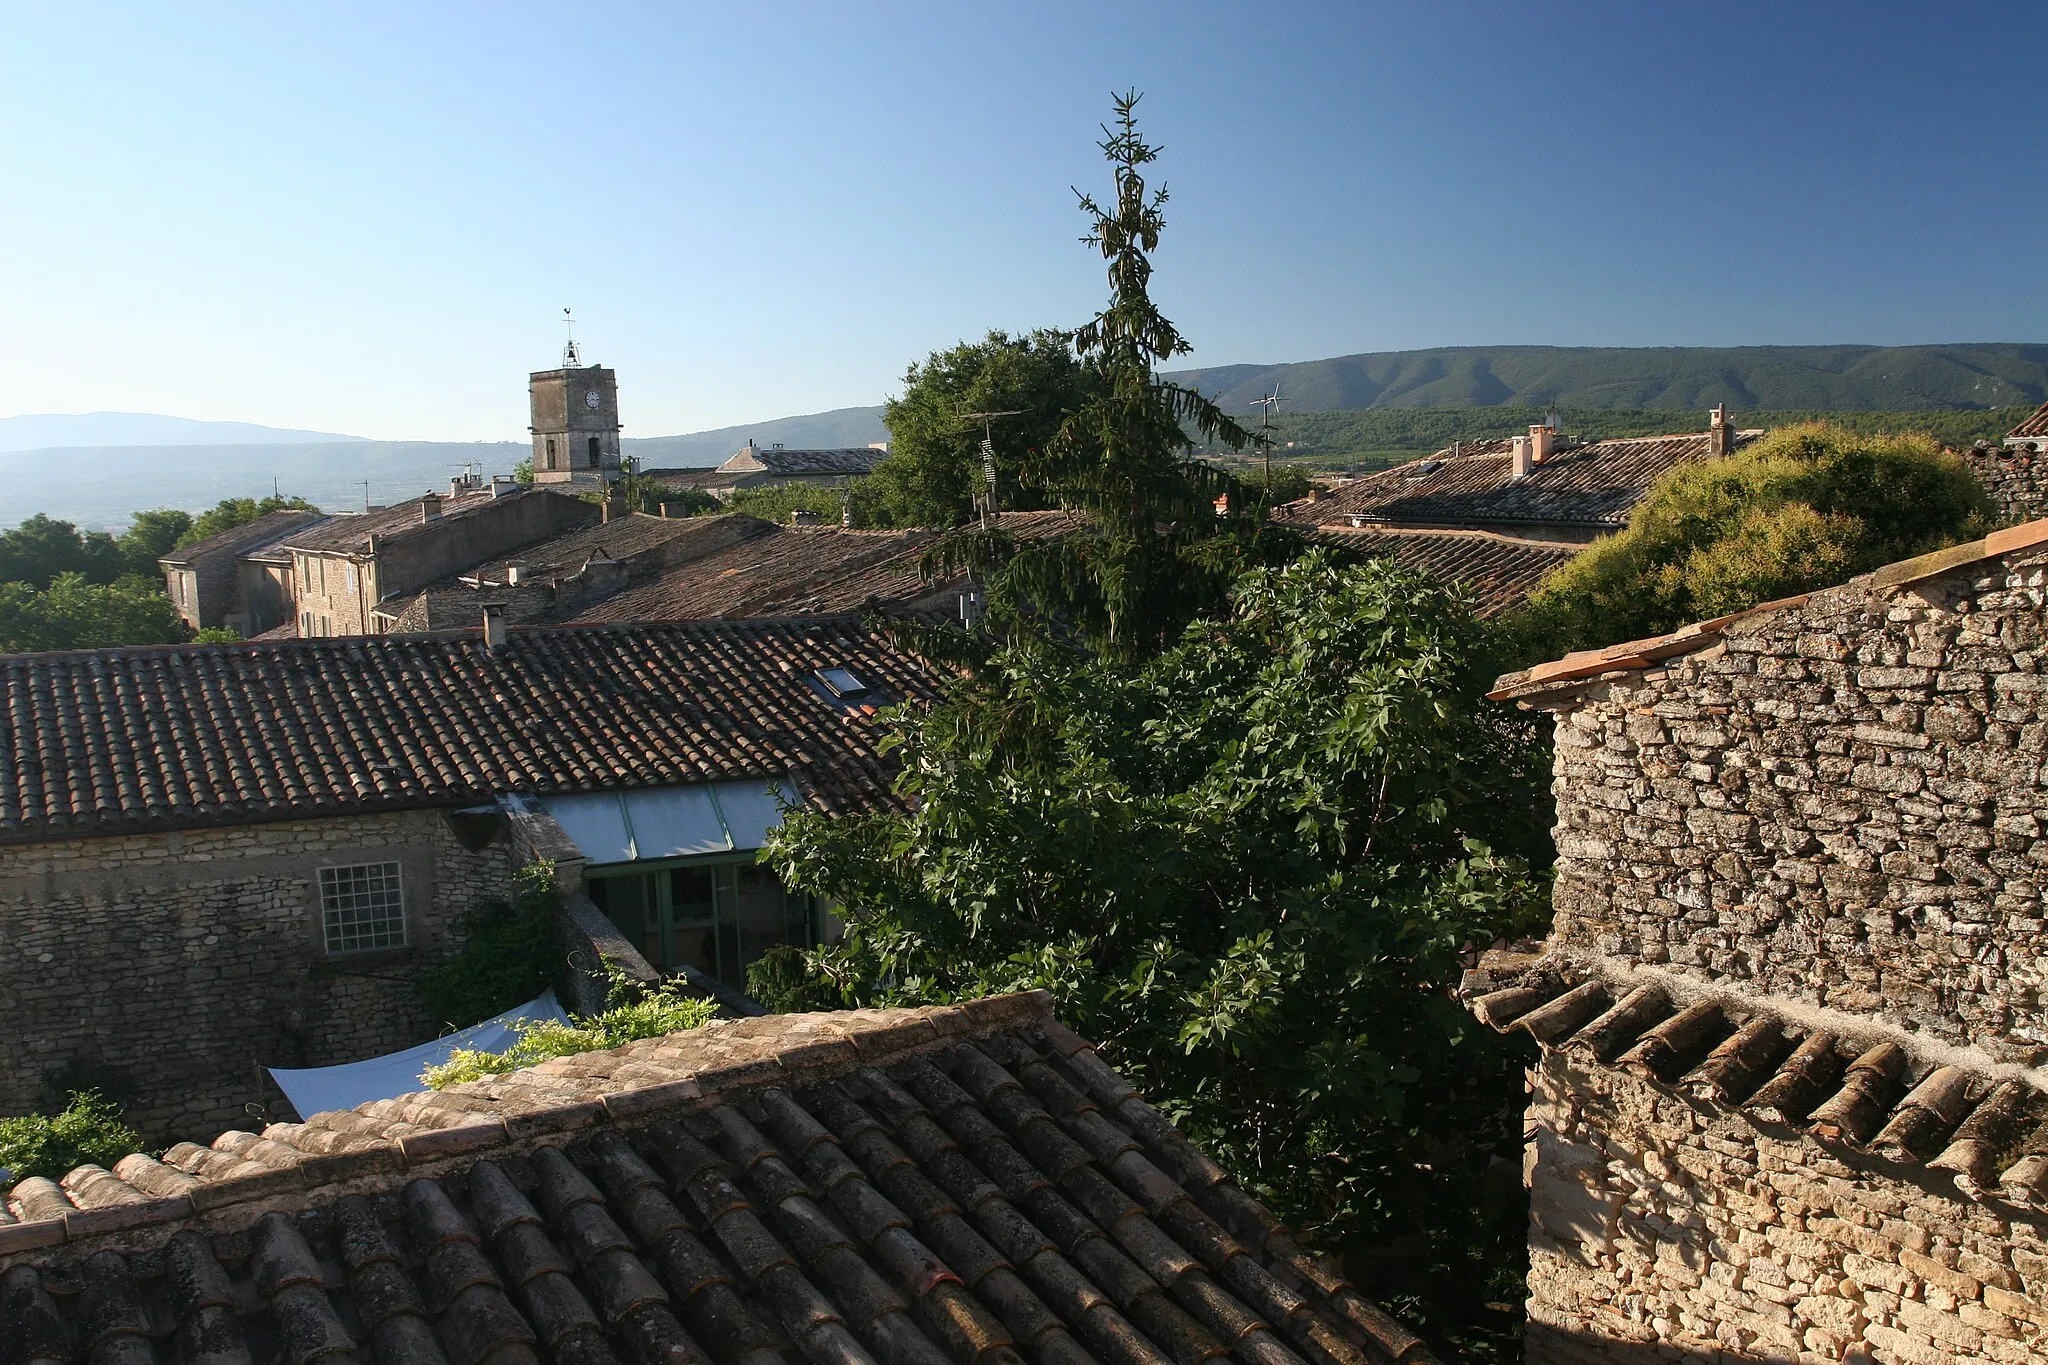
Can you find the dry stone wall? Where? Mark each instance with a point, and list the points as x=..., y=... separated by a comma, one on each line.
x=179, y=964
x=1840, y=803
x=1664, y=1229
x=2016, y=479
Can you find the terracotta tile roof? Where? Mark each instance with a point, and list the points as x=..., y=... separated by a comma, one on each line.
x=804, y=569
x=351, y=533
x=1573, y=669
x=2035, y=425
x=1500, y=571
x=103, y=741
x=1593, y=485
x=251, y=535
x=790, y=463
x=1854, y=1089
x=967, y=1185
x=647, y=546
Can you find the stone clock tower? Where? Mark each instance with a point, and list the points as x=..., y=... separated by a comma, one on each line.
x=575, y=423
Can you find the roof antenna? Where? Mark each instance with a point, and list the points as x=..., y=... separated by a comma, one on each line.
x=989, y=510
x=572, y=359
x=1270, y=402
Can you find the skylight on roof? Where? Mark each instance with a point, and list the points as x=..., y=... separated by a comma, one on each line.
x=842, y=682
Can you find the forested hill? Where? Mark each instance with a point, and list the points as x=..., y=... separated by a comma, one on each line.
x=1837, y=378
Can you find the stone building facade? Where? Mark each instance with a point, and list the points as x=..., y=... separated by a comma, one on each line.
x=209, y=585
x=1790, y=1100
x=346, y=567
x=169, y=969
x=216, y=859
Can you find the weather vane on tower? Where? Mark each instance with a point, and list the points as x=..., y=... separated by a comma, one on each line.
x=572, y=359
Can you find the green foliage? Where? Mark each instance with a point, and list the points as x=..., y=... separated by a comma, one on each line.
x=783, y=979
x=229, y=513
x=42, y=549
x=1806, y=507
x=777, y=502
x=1151, y=553
x=215, y=635
x=508, y=953
x=1248, y=867
x=150, y=536
x=631, y=1013
x=933, y=473
x=688, y=502
x=74, y=613
x=87, y=1131
x=522, y=472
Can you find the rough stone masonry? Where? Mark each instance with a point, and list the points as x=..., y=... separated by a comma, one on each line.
x=1813, y=833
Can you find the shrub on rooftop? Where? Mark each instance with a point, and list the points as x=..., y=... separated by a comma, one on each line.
x=1806, y=507
x=631, y=1013
x=86, y=1131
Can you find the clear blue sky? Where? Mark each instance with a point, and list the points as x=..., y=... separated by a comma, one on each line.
x=368, y=217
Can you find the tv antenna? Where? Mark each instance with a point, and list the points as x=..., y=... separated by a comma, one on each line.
x=572, y=359
x=989, y=510
x=1270, y=402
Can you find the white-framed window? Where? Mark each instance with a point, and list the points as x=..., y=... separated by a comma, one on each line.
x=362, y=907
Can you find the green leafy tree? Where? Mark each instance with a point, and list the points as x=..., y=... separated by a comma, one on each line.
x=87, y=1131
x=75, y=613
x=42, y=548
x=150, y=536
x=1247, y=867
x=522, y=472
x=934, y=469
x=1806, y=507
x=776, y=503
x=229, y=513
x=1152, y=552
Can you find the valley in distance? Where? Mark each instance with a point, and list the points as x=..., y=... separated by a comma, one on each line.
x=1369, y=409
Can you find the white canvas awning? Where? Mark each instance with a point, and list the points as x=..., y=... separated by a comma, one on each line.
x=670, y=822
x=315, y=1090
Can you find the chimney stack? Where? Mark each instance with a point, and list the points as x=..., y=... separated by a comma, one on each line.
x=1521, y=461
x=1542, y=440
x=1720, y=432
x=430, y=508
x=494, y=626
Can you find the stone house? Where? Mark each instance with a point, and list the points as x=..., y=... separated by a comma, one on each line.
x=1790, y=1100
x=964, y=1185
x=219, y=858
x=2015, y=472
x=346, y=568
x=216, y=582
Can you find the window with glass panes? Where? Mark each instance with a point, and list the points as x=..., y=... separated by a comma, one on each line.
x=716, y=917
x=363, y=907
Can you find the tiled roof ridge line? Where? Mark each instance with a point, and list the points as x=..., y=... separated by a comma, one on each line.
x=1447, y=531
x=1861, y=1091
x=127, y=1222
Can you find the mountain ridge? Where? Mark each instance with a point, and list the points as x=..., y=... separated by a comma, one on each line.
x=68, y=430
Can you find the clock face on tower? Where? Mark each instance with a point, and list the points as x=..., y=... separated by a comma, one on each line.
x=590, y=398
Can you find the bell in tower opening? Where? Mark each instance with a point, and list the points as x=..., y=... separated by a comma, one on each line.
x=575, y=422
